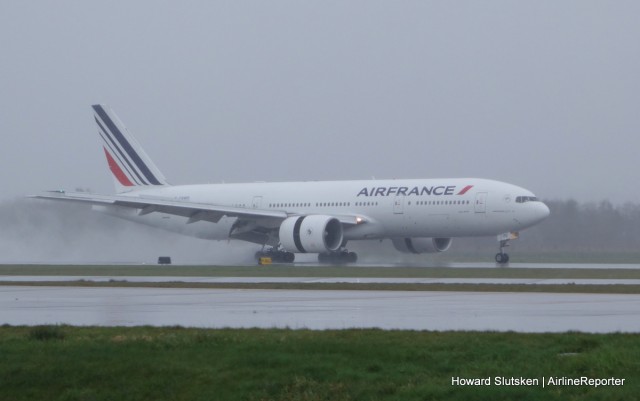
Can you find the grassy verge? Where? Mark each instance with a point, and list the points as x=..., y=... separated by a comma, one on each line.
x=551, y=257
x=70, y=363
x=546, y=288
x=315, y=271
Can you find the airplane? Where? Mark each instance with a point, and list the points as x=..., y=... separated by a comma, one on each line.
x=286, y=218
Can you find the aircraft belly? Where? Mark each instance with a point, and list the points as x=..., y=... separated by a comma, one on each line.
x=457, y=224
x=370, y=230
x=431, y=225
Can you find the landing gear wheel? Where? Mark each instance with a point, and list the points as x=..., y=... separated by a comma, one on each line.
x=289, y=257
x=502, y=258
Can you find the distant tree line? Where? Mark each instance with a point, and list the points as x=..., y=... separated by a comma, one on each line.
x=581, y=227
x=589, y=227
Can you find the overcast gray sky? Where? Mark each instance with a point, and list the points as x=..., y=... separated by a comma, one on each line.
x=541, y=94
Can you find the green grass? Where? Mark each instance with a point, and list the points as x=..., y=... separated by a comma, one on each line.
x=124, y=271
x=195, y=364
x=315, y=271
x=545, y=288
x=517, y=256
x=46, y=333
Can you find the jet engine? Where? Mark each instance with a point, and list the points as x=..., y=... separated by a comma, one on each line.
x=421, y=245
x=313, y=234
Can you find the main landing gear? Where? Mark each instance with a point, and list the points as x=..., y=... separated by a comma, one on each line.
x=281, y=256
x=502, y=258
x=338, y=258
x=277, y=256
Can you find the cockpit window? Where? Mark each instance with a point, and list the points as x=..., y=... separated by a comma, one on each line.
x=524, y=199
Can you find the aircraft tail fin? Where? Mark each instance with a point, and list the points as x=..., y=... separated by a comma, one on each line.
x=129, y=163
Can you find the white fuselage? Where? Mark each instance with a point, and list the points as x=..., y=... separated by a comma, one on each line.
x=454, y=207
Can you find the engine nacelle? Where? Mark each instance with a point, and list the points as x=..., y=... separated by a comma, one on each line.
x=421, y=245
x=313, y=234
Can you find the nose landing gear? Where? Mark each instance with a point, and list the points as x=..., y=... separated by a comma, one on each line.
x=502, y=258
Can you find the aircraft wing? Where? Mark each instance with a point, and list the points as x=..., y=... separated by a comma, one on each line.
x=192, y=210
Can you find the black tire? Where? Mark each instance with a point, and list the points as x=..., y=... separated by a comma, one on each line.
x=352, y=257
x=289, y=257
x=502, y=258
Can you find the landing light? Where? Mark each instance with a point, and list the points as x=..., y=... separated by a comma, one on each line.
x=359, y=220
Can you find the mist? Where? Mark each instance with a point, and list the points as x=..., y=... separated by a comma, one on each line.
x=35, y=231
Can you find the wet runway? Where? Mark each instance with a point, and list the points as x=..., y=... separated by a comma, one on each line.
x=416, y=310
x=313, y=263
x=471, y=265
x=328, y=280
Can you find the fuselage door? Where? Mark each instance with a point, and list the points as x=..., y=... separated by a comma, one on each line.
x=398, y=205
x=481, y=202
x=257, y=202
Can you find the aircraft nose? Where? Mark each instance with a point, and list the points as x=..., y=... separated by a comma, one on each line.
x=543, y=211
x=533, y=213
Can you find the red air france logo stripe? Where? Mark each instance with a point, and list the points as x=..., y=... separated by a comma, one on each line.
x=465, y=189
x=116, y=170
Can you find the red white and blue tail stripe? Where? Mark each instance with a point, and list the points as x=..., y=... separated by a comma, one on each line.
x=130, y=165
